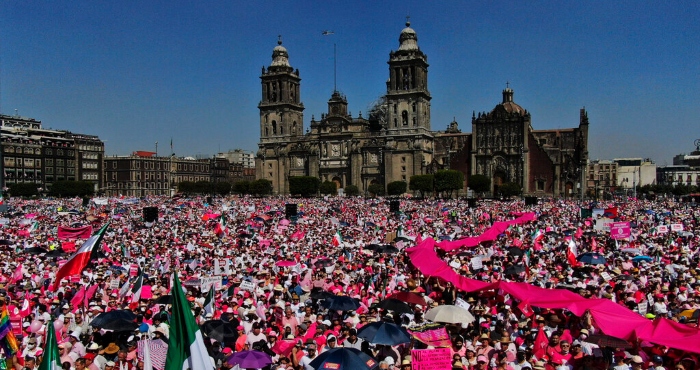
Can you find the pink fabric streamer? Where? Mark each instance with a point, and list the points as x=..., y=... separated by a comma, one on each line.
x=491, y=234
x=612, y=318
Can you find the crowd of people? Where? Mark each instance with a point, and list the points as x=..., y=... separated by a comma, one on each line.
x=272, y=273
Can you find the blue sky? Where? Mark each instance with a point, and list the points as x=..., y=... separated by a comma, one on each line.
x=137, y=72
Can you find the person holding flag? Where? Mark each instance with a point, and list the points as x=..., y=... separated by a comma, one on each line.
x=51, y=357
x=77, y=263
x=186, y=349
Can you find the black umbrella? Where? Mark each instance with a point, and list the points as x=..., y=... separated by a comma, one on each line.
x=35, y=250
x=395, y=305
x=344, y=359
x=402, y=239
x=515, y=251
x=388, y=249
x=514, y=269
x=56, y=253
x=118, y=325
x=106, y=317
x=592, y=258
x=220, y=330
x=341, y=303
x=5, y=242
x=372, y=247
x=318, y=293
x=164, y=299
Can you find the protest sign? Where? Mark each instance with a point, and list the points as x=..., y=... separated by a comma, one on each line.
x=431, y=359
x=247, y=285
x=620, y=230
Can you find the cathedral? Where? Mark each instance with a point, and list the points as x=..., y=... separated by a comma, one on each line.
x=395, y=141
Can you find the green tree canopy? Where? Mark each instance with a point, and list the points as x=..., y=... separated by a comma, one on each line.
x=23, y=189
x=305, y=186
x=422, y=184
x=479, y=183
x=241, y=187
x=510, y=189
x=261, y=187
x=72, y=188
x=396, y=187
x=351, y=191
x=376, y=189
x=328, y=188
x=447, y=181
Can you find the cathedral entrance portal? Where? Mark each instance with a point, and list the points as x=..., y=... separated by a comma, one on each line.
x=498, y=180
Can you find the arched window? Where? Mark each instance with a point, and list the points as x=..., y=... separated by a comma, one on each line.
x=414, y=107
x=281, y=129
x=294, y=128
x=404, y=118
x=267, y=131
x=274, y=127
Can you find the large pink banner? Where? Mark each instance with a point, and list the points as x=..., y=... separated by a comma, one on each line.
x=74, y=232
x=607, y=314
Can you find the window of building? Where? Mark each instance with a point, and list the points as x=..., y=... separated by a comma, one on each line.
x=403, y=168
x=49, y=162
x=540, y=185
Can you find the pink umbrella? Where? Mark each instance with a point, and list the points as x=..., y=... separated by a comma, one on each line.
x=284, y=222
x=285, y=263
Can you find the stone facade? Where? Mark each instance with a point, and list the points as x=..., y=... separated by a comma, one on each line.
x=395, y=140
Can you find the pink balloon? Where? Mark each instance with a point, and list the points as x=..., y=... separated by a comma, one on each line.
x=58, y=325
x=34, y=326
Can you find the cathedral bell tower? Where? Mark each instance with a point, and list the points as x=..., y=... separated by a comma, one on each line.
x=408, y=98
x=281, y=110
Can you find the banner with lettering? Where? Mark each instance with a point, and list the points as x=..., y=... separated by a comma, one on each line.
x=432, y=334
x=620, y=230
x=431, y=359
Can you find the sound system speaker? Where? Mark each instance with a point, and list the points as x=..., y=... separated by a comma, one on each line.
x=471, y=203
x=394, y=206
x=209, y=200
x=150, y=214
x=530, y=201
x=290, y=210
x=86, y=202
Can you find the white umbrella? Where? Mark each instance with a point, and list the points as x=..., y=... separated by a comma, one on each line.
x=449, y=314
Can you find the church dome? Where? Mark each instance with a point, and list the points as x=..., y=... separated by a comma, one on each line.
x=508, y=104
x=280, y=57
x=408, y=39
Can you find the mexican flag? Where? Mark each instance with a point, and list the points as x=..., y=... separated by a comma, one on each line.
x=209, y=302
x=34, y=227
x=52, y=360
x=81, y=258
x=186, y=349
x=337, y=239
x=136, y=289
x=228, y=292
x=221, y=226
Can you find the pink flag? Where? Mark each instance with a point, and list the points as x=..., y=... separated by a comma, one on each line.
x=17, y=276
x=90, y=293
x=78, y=298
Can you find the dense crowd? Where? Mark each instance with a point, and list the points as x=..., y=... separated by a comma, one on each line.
x=272, y=277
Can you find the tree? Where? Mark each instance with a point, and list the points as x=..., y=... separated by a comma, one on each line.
x=479, y=183
x=222, y=188
x=375, y=189
x=447, y=181
x=72, y=189
x=510, y=189
x=23, y=189
x=352, y=191
x=304, y=185
x=396, y=188
x=242, y=187
x=187, y=187
x=261, y=187
x=203, y=187
x=422, y=184
x=328, y=188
